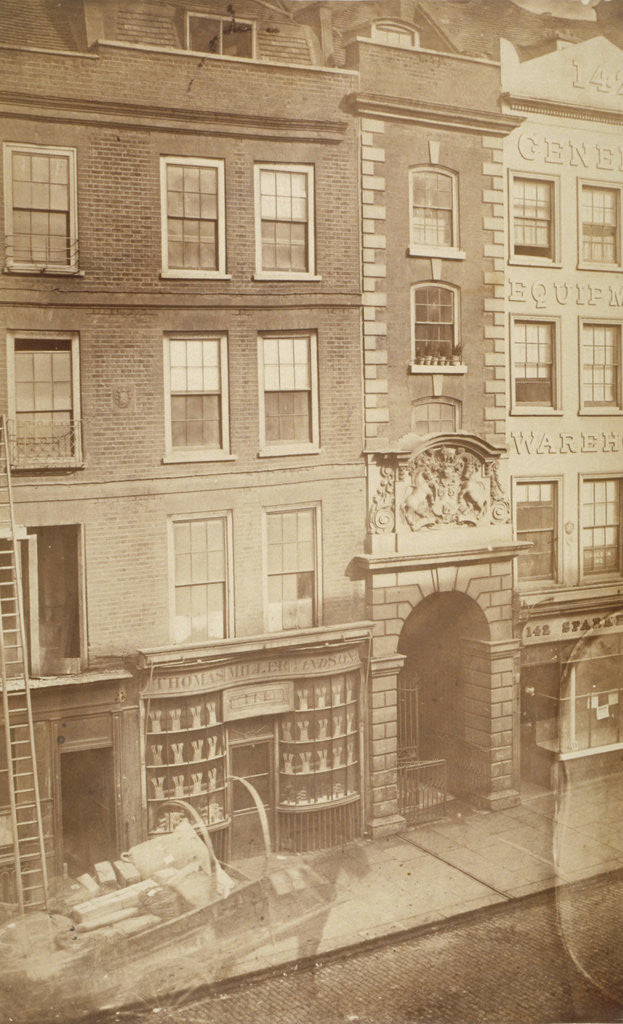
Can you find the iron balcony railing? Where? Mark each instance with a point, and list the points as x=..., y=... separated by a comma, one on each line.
x=41, y=252
x=52, y=447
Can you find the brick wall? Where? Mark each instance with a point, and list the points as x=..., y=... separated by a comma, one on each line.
x=121, y=308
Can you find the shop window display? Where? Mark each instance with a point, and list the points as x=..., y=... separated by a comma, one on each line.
x=185, y=760
x=319, y=761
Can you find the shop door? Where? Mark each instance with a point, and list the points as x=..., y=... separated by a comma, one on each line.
x=88, y=808
x=252, y=761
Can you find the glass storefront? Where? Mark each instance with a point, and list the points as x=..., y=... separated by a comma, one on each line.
x=296, y=743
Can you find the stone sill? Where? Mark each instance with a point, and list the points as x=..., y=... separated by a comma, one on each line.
x=452, y=368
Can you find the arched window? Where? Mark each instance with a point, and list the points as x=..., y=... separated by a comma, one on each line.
x=435, y=415
x=434, y=208
x=395, y=35
x=435, y=324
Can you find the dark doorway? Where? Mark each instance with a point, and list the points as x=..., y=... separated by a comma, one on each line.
x=254, y=762
x=58, y=598
x=87, y=796
x=442, y=694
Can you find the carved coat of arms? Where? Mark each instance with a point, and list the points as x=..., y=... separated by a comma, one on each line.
x=448, y=486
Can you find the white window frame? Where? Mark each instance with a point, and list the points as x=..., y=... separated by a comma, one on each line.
x=519, y=408
x=545, y=582
x=606, y=186
x=290, y=447
x=396, y=26
x=286, y=275
x=183, y=517
x=438, y=400
x=220, y=18
x=607, y=574
x=198, y=453
x=527, y=260
x=316, y=508
x=191, y=273
x=73, y=338
x=446, y=252
x=452, y=368
x=24, y=267
x=616, y=409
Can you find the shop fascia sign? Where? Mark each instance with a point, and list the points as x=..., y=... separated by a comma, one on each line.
x=548, y=630
x=253, y=670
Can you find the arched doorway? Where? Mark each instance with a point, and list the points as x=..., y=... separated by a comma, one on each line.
x=443, y=703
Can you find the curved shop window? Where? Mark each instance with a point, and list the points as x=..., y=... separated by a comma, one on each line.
x=592, y=694
x=197, y=745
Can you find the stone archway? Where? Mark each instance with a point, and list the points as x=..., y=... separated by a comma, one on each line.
x=444, y=693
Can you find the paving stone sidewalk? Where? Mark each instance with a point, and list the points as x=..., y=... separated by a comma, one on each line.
x=468, y=860
x=345, y=898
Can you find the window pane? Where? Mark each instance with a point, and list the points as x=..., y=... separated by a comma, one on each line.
x=601, y=347
x=199, y=549
x=532, y=217
x=432, y=204
x=40, y=209
x=434, y=322
x=600, y=224
x=601, y=523
x=533, y=356
x=287, y=389
x=44, y=400
x=291, y=568
x=284, y=215
x=192, y=215
x=434, y=417
x=536, y=524
x=195, y=402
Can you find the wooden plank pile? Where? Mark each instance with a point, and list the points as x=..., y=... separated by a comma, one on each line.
x=153, y=882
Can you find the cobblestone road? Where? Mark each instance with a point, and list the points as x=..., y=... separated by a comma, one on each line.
x=508, y=965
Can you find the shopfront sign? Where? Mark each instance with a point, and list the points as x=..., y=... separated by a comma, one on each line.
x=548, y=630
x=257, y=699
x=549, y=294
x=539, y=442
x=278, y=667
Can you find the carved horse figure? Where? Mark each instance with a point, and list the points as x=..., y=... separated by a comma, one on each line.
x=473, y=488
x=416, y=508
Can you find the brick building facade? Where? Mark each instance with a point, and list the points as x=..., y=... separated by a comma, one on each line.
x=262, y=300
x=181, y=315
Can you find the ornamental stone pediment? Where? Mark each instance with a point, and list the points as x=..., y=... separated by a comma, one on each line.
x=452, y=482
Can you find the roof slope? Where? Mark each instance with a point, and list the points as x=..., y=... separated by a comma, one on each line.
x=48, y=24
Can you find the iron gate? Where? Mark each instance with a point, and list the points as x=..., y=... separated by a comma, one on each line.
x=421, y=782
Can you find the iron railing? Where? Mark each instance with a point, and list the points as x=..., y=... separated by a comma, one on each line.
x=320, y=828
x=41, y=252
x=469, y=765
x=54, y=447
x=421, y=790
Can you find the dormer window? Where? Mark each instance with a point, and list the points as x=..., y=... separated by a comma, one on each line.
x=391, y=34
x=229, y=37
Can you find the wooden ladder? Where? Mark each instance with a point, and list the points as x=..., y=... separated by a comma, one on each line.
x=31, y=881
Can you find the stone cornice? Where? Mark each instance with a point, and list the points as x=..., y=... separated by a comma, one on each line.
x=109, y=114
x=433, y=114
x=534, y=105
x=314, y=638
x=400, y=562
